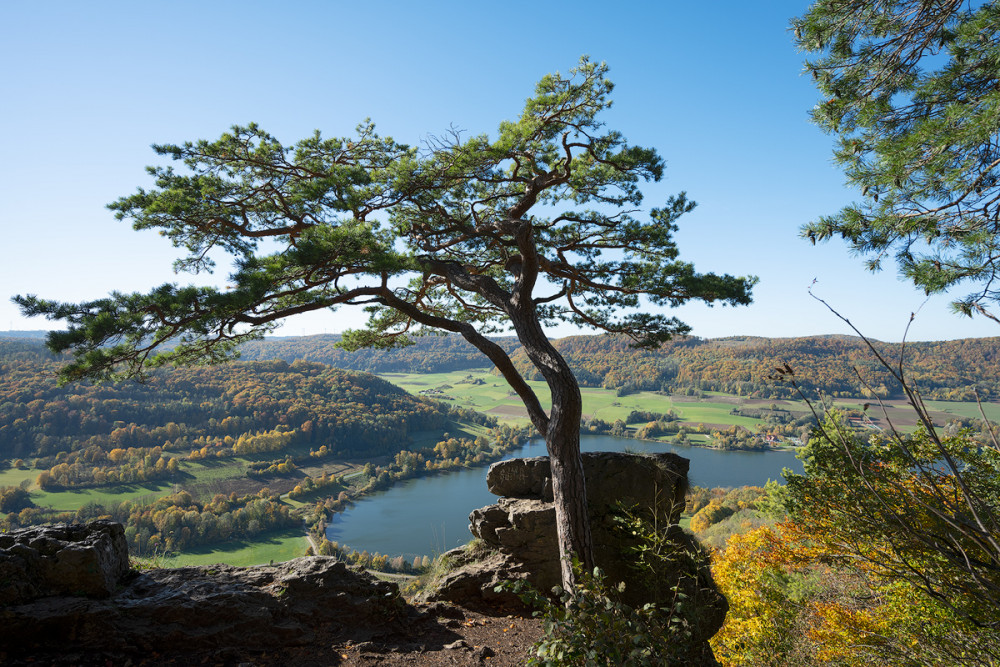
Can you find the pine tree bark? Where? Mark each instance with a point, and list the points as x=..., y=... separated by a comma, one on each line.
x=562, y=441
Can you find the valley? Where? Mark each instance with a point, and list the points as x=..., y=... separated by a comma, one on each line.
x=302, y=446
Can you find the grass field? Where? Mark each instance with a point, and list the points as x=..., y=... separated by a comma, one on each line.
x=194, y=474
x=13, y=476
x=966, y=409
x=483, y=391
x=70, y=501
x=494, y=397
x=277, y=546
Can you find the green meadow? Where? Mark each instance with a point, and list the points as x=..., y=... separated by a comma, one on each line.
x=485, y=392
x=276, y=546
x=966, y=409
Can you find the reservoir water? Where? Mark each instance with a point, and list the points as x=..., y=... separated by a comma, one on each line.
x=429, y=515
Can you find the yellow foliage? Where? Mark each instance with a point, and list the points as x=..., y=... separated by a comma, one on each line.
x=709, y=515
x=759, y=626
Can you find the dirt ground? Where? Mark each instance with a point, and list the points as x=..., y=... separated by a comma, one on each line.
x=447, y=635
x=432, y=635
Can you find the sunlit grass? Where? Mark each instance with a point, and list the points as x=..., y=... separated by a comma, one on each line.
x=13, y=476
x=72, y=500
x=277, y=546
x=966, y=409
x=495, y=397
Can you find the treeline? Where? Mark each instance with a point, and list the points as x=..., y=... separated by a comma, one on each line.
x=742, y=365
x=745, y=366
x=333, y=493
x=95, y=467
x=777, y=425
x=428, y=354
x=943, y=370
x=240, y=408
x=447, y=454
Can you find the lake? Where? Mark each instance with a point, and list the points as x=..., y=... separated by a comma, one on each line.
x=430, y=515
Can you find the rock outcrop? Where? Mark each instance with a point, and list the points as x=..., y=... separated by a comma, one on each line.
x=522, y=523
x=70, y=588
x=63, y=559
x=518, y=535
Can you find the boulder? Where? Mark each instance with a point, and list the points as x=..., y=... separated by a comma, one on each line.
x=517, y=538
x=658, y=480
x=62, y=559
x=472, y=576
x=523, y=524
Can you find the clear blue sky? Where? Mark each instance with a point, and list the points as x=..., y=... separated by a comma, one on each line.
x=715, y=87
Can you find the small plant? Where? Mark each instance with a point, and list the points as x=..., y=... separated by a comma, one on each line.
x=154, y=561
x=593, y=627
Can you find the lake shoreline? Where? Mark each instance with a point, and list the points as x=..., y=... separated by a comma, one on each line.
x=416, y=516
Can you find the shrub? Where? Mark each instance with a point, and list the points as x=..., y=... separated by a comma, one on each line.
x=592, y=627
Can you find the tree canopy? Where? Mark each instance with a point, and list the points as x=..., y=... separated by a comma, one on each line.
x=472, y=225
x=469, y=235
x=911, y=90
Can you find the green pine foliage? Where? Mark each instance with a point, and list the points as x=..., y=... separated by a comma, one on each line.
x=911, y=90
x=428, y=354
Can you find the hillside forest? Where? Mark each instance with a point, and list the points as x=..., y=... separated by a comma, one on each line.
x=228, y=441
x=742, y=365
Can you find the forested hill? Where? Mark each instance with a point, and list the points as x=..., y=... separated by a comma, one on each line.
x=236, y=406
x=428, y=354
x=945, y=370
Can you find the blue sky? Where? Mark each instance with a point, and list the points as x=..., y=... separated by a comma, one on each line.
x=716, y=88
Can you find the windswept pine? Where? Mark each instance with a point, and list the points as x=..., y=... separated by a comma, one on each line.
x=544, y=223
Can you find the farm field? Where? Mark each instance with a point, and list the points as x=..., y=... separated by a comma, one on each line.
x=485, y=392
x=482, y=391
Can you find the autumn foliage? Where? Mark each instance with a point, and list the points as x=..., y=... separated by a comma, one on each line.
x=886, y=557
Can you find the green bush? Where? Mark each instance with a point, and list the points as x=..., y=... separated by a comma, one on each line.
x=593, y=628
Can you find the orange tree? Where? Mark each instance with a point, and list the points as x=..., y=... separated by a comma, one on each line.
x=470, y=235
x=921, y=509
x=913, y=520
x=753, y=573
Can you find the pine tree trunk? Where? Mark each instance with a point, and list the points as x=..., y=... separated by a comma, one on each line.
x=562, y=440
x=570, y=495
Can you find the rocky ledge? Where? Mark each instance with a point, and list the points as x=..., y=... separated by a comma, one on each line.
x=518, y=538
x=68, y=595
x=69, y=588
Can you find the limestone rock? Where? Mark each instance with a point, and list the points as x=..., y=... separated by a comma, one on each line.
x=186, y=609
x=518, y=534
x=522, y=523
x=656, y=480
x=473, y=576
x=62, y=559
